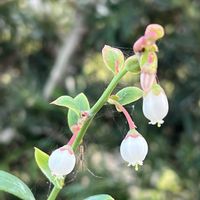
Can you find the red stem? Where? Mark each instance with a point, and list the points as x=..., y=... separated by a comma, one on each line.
x=75, y=133
x=128, y=117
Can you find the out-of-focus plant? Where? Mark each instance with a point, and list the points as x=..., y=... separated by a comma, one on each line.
x=134, y=147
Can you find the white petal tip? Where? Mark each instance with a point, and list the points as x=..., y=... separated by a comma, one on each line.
x=157, y=122
x=136, y=166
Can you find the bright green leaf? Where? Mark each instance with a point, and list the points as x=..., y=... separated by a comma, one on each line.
x=11, y=184
x=67, y=101
x=113, y=58
x=83, y=105
x=42, y=162
x=100, y=197
x=132, y=64
x=129, y=94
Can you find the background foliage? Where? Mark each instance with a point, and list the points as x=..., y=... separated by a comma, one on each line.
x=31, y=34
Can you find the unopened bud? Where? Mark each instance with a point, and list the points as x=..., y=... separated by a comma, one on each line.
x=140, y=44
x=154, y=32
x=152, y=48
x=148, y=62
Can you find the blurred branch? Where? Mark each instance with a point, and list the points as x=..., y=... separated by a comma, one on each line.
x=5, y=1
x=69, y=47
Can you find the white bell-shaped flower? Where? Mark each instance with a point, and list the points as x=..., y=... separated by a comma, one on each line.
x=62, y=161
x=155, y=105
x=134, y=148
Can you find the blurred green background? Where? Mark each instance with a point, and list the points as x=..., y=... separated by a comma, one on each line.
x=51, y=48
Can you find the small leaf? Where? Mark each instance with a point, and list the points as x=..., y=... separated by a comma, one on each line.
x=42, y=162
x=129, y=94
x=132, y=64
x=83, y=104
x=100, y=197
x=13, y=185
x=113, y=58
x=67, y=101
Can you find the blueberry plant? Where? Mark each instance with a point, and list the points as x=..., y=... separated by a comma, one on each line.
x=134, y=147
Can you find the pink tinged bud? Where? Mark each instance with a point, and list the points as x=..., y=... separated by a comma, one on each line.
x=147, y=80
x=155, y=105
x=140, y=44
x=154, y=32
x=148, y=61
x=152, y=48
x=62, y=161
x=134, y=148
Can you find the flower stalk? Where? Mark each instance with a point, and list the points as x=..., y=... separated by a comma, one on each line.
x=121, y=108
x=128, y=118
x=134, y=147
x=78, y=136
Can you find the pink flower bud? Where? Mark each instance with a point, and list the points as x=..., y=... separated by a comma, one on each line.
x=62, y=161
x=146, y=80
x=148, y=61
x=140, y=44
x=154, y=32
x=152, y=48
x=155, y=105
x=134, y=148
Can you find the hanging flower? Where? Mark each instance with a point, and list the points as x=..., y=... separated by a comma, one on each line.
x=62, y=161
x=134, y=148
x=155, y=105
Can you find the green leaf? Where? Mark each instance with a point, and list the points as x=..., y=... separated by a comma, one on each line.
x=132, y=64
x=83, y=104
x=67, y=101
x=129, y=94
x=42, y=162
x=113, y=58
x=100, y=197
x=11, y=184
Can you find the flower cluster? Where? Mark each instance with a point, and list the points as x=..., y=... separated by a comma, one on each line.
x=134, y=147
x=155, y=104
x=145, y=48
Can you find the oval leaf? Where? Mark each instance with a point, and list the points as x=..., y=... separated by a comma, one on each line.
x=68, y=102
x=100, y=197
x=83, y=104
x=11, y=184
x=42, y=162
x=132, y=64
x=129, y=94
x=113, y=58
